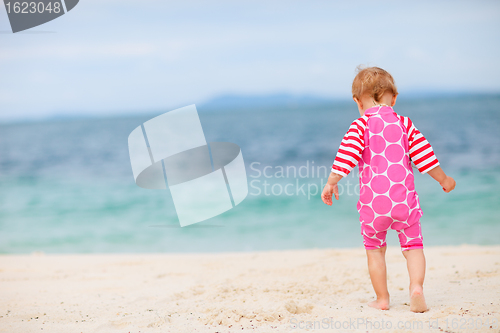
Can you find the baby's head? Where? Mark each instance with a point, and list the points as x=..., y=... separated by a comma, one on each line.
x=373, y=86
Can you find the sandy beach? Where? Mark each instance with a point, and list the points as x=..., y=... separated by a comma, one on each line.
x=278, y=291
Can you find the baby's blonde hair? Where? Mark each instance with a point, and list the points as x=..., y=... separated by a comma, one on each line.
x=373, y=81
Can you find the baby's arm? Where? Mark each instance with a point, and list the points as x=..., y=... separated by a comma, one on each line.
x=445, y=181
x=347, y=158
x=331, y=188
x=423, y=156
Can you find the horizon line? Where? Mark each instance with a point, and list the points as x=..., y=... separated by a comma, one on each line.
x=217, y=101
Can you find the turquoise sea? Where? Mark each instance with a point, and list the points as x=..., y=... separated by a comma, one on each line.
x=66, y=185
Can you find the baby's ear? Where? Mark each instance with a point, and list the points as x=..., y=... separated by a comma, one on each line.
x=394, y=97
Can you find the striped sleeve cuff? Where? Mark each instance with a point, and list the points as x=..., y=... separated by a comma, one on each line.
x=424, y=157
x=428, y=167
x=350, y=149
x=338, y=171
x=421, y=151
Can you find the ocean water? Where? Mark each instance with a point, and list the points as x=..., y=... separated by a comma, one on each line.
x=67, y=185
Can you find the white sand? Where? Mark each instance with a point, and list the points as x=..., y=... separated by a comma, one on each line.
x=235, y=292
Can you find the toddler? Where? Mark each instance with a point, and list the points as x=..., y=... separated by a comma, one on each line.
x=384, y=144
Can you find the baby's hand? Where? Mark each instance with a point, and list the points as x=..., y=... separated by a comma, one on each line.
x=448, y=184
x=326, y=196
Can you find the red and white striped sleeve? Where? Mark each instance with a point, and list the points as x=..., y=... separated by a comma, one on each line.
x=421, y=152
x=351, y=147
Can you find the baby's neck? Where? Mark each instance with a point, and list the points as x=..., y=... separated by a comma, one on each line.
x=377, y=105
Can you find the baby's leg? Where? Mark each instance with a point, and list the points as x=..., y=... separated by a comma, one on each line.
x=378, y=275
x=411, y=243
x=415, y=260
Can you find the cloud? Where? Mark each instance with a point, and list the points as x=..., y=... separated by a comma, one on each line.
x=77, y=51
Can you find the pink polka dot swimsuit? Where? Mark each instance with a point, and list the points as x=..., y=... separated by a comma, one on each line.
x=383, y=142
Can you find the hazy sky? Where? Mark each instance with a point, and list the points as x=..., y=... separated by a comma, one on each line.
x=118, y=56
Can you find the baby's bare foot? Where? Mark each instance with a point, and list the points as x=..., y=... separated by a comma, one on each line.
x=417, y=300
x=381, y=304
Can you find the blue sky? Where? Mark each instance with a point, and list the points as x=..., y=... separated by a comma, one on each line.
x=119, y=56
